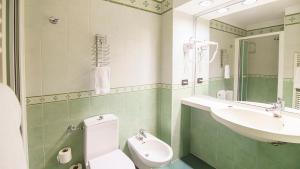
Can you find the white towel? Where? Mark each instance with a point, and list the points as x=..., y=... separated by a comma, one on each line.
x=227, y=72
x=102, y=80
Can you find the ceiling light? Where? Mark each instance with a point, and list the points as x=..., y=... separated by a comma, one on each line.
x=206, y=3
x=222, y=10
x=248, y=2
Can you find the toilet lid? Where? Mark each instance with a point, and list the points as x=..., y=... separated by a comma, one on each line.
x=113, y=160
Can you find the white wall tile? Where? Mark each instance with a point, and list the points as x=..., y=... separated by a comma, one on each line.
x=33, y=50
x=80, y=43
x=54, y=47
x=292, y=44
x=182, y=32
x=134, y=41
x=166, y=48
x=226, y=41
x=60, y=55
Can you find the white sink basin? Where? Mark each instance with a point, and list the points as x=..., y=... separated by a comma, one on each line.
x=259, y=124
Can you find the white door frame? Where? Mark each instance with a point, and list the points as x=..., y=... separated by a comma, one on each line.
x=22, y=74
x=3, y=47
x=280, y=61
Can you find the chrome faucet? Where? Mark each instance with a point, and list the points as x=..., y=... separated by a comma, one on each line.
x=277, y=108
x=142, y=132
x=141, y=135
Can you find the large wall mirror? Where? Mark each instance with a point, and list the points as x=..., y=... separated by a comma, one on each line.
x=258, y=59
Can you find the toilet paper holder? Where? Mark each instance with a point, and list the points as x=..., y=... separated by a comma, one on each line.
x=72, y=128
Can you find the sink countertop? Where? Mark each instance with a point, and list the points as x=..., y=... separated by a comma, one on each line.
x=261, y=125
x=206, y=103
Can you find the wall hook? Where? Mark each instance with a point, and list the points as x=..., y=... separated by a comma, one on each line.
x=53, y=20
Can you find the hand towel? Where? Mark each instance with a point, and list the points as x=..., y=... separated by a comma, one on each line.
x=227, y=72
x=102, y=80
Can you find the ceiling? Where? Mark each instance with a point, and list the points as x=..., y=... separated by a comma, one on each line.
x=239, y=14
x=261, y=14
x=193, y=7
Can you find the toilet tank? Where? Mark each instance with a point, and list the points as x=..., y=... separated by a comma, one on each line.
x=101, y=135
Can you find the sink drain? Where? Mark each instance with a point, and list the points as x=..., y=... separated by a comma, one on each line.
x=147, y=155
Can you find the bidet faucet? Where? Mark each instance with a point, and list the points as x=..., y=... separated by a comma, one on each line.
x=277, y=107
x=142, y=132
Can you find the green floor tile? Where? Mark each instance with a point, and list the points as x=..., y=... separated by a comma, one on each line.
x=188, y=162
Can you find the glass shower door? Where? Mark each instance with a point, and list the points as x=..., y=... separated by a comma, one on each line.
x=243, y=71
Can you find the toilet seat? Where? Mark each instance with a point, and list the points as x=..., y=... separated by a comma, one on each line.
x=113, y=160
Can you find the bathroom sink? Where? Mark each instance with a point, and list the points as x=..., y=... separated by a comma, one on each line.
x=259, y=124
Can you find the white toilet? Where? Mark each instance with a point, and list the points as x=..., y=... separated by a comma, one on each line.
x=101, y=144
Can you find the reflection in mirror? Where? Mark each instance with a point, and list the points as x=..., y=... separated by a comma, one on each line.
x=258, y=59
x=258, y=69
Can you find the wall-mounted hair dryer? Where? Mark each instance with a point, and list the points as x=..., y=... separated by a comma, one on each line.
x=203, y=44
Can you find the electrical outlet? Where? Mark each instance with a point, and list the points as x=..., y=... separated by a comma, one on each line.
x=184, y=82
x=199, y=80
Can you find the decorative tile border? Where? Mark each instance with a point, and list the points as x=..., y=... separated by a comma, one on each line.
x=217, y=78
x=221, y=26
x=292, y=19
x=261, y=76
x=153, y=6
x=166, y=6
x=270, y=29
x=85, y=94
x=288, y=79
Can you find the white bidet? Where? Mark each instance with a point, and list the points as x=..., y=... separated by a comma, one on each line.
x=148, y=152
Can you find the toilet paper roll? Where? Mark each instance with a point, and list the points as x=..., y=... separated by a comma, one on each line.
x=64, y=155
x=76, y=166
x=227, y=72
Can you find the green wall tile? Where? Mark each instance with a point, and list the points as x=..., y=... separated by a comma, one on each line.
x=55, y=112
x=75, y=141
x=35, y=137
x=56, y=133
x=80, y=109
x=47, y=130
x=165, y=97
x=288, y=92
x=261, y=89
x=36, y=157
x=224, y=149
x=180, y=123
x=34, y=115
x=219, y=84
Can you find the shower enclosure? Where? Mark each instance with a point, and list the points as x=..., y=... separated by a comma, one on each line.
x=258, y=69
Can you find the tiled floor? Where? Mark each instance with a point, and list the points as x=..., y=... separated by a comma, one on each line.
x=188, y=162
